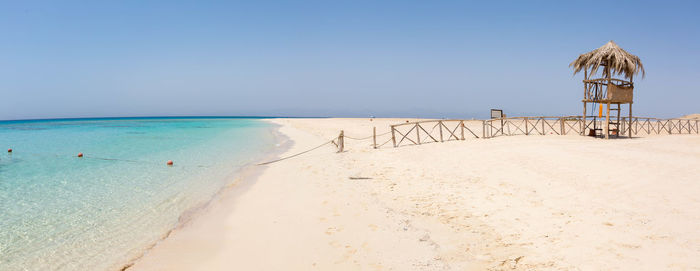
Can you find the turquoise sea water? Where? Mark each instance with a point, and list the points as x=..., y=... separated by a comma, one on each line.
x=60, y=212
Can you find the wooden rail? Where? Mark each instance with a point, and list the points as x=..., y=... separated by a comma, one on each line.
x=431, y=131
x=654, y=126
x=533, y=126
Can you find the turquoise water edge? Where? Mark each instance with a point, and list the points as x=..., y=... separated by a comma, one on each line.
x=61, y=212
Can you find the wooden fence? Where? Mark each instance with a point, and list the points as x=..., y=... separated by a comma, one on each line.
x=533, y=126
x=654, y=126
x=430, y=131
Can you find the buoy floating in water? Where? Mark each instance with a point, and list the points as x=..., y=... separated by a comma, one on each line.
x=9, y=150
x=80, y=154
x=170, y=162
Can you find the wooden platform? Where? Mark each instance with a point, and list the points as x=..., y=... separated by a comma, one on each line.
x=604, y=102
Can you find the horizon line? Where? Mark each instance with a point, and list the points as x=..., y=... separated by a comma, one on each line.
x=161, y=117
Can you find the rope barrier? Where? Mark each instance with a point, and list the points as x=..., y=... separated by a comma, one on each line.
x=365, y=138
x=114, y=159
x=297, y=154
x=101, y=158
x=326, y=143
x=384, y=143
x=260, y=164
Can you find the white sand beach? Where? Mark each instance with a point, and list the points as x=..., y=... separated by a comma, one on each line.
x=518, y=202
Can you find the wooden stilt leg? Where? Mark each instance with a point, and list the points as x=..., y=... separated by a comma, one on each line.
x=630, y=122
x=607, y=122
x=617, y=126
x=583, y=124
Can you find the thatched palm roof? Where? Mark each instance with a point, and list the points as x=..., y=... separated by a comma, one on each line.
x=612, y=58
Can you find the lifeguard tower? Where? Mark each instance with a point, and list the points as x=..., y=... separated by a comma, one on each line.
x=607, y=90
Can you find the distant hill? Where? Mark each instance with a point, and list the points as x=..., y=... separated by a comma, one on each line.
x=691, y=116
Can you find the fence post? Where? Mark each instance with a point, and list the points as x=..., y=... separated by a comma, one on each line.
x=483, y=129
x=543, y=133
x=374, y=136
x=527, y=131
x=393, y=137
x=341, y=141
x=503, y=128
x=440, y=124
x=630, y=122
x=461, y=123
x=417, y=133
x=561, y=126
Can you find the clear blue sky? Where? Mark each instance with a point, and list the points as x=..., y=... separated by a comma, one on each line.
x=333, y=58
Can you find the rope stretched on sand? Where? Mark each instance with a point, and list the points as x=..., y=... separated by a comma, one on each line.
x=326, y=143
x=384, y=143
x=297, y=154
x=367, y=137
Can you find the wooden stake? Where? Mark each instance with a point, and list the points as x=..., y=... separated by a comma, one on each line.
x=561, y=124
x=341, y=141
x=607, y=122
x=630, y=122
x=583, y=125
x=393, y=136
x=543, y=133
x=461, y=122
x=417, y=134
x=374, y=136
x=619, y=112
x=527, y=130
x=440, y=124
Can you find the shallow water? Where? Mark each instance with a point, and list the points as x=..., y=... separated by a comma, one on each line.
x=60, y=212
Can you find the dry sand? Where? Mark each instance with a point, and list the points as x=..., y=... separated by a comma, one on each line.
x=520, y=202
x=691, y=116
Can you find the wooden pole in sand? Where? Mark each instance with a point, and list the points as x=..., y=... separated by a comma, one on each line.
x=630, y=122
x=619, y=112
x=393, y=136
x=561, y=126
x=527, y=131
x=542, y=119
x=583, y=124
x=607, y=122
x=374, y=136
x=341, y=141
x=461, y=123
x=585, y=97
x=417, y=133
x=440, y=124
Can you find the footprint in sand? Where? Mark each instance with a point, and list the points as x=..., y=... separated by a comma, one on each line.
x=333, y=230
